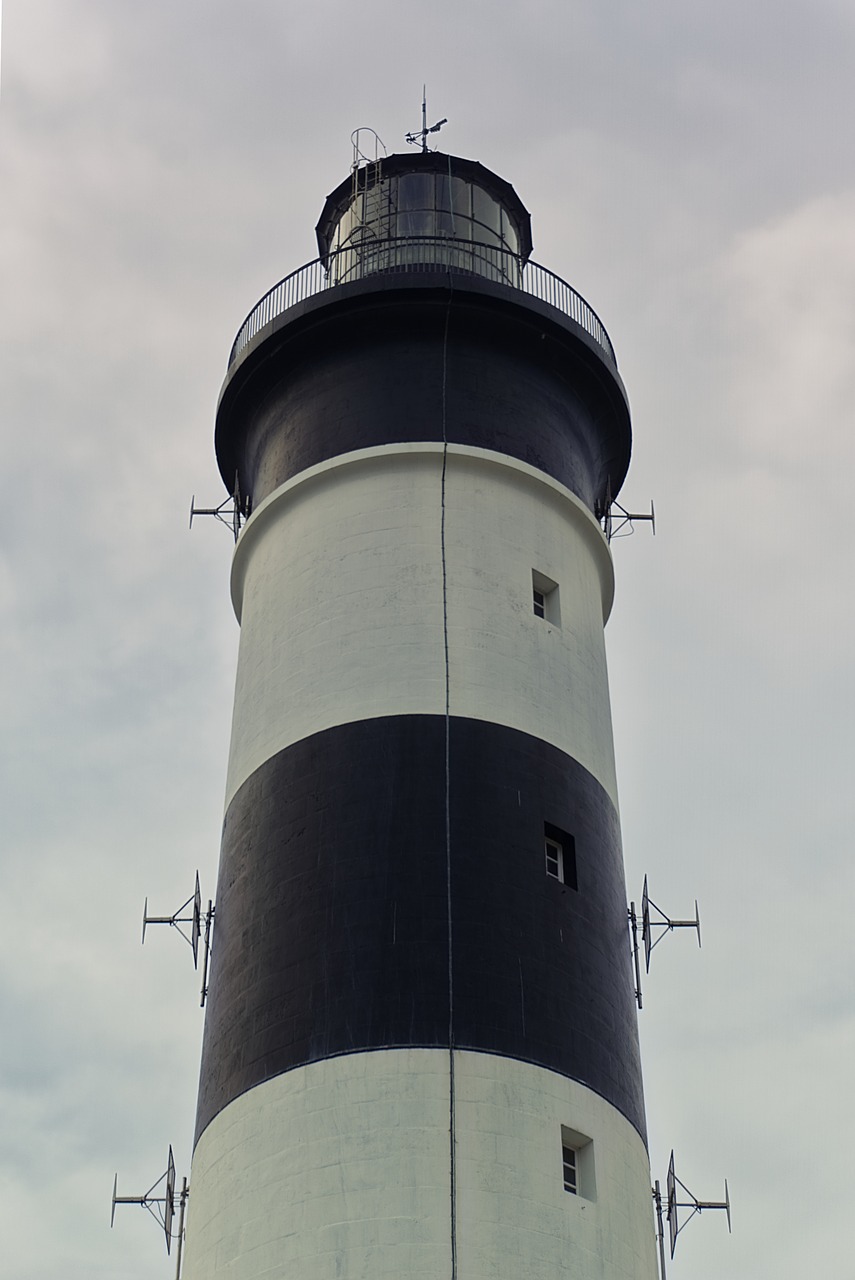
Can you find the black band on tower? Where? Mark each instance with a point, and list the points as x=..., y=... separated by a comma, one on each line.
x=363, y=366
x=331, y=910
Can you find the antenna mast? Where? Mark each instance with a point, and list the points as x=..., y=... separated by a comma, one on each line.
x=420, y=138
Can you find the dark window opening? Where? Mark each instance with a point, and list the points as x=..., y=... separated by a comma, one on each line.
x=560, y=853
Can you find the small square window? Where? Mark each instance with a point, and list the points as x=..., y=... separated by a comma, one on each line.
x=560, y=853
x=544, y=595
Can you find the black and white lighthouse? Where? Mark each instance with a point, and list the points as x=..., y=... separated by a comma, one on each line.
x=421, y=1054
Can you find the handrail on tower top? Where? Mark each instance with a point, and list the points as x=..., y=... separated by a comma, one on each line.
x=422, y=254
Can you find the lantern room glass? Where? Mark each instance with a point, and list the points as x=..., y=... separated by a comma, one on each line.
x=425, y=221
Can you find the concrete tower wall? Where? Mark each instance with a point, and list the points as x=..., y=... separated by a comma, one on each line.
x=413, y=1016
x=342, y=1168
x=343, y=566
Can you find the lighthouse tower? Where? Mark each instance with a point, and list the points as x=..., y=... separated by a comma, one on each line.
x=421, y=1054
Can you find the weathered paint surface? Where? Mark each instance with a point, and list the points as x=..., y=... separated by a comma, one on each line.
x=342, y=1169
x=338, y=587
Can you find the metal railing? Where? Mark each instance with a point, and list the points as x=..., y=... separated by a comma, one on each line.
x=422, y=254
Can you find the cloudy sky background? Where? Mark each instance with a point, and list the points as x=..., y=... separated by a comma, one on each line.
x=690, y=169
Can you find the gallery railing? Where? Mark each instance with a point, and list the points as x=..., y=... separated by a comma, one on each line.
x=422, y=254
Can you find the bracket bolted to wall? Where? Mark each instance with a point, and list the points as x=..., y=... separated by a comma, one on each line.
x=616, y=519
x=231, y=511
x=200, y=927
x=653, y=917
x=161, y=1207
x=228, y=513
x=672, y=1207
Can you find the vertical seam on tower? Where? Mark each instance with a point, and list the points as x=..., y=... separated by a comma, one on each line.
x=452, y=1142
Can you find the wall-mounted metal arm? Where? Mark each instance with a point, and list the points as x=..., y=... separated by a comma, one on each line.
x=200, y=929
x=161, y=1207
x=693, y=1204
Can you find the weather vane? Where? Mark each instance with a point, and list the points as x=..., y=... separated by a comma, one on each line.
x=415, y=139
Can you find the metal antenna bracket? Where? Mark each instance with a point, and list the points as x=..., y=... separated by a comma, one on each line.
x=616, y=519
x=161, y=1207
x=230, y=512
x=653, y=917
x=693, y=1204
x=199, y=929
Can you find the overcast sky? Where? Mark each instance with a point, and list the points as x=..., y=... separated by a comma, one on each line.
x=689, y=168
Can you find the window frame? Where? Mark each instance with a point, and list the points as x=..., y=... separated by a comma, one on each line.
x=546, y=602
x=558, y=858
x=580, y=1148
x=568, y=1161
x=557, y=836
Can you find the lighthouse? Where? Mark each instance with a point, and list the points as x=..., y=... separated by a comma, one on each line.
x=420, y=1054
